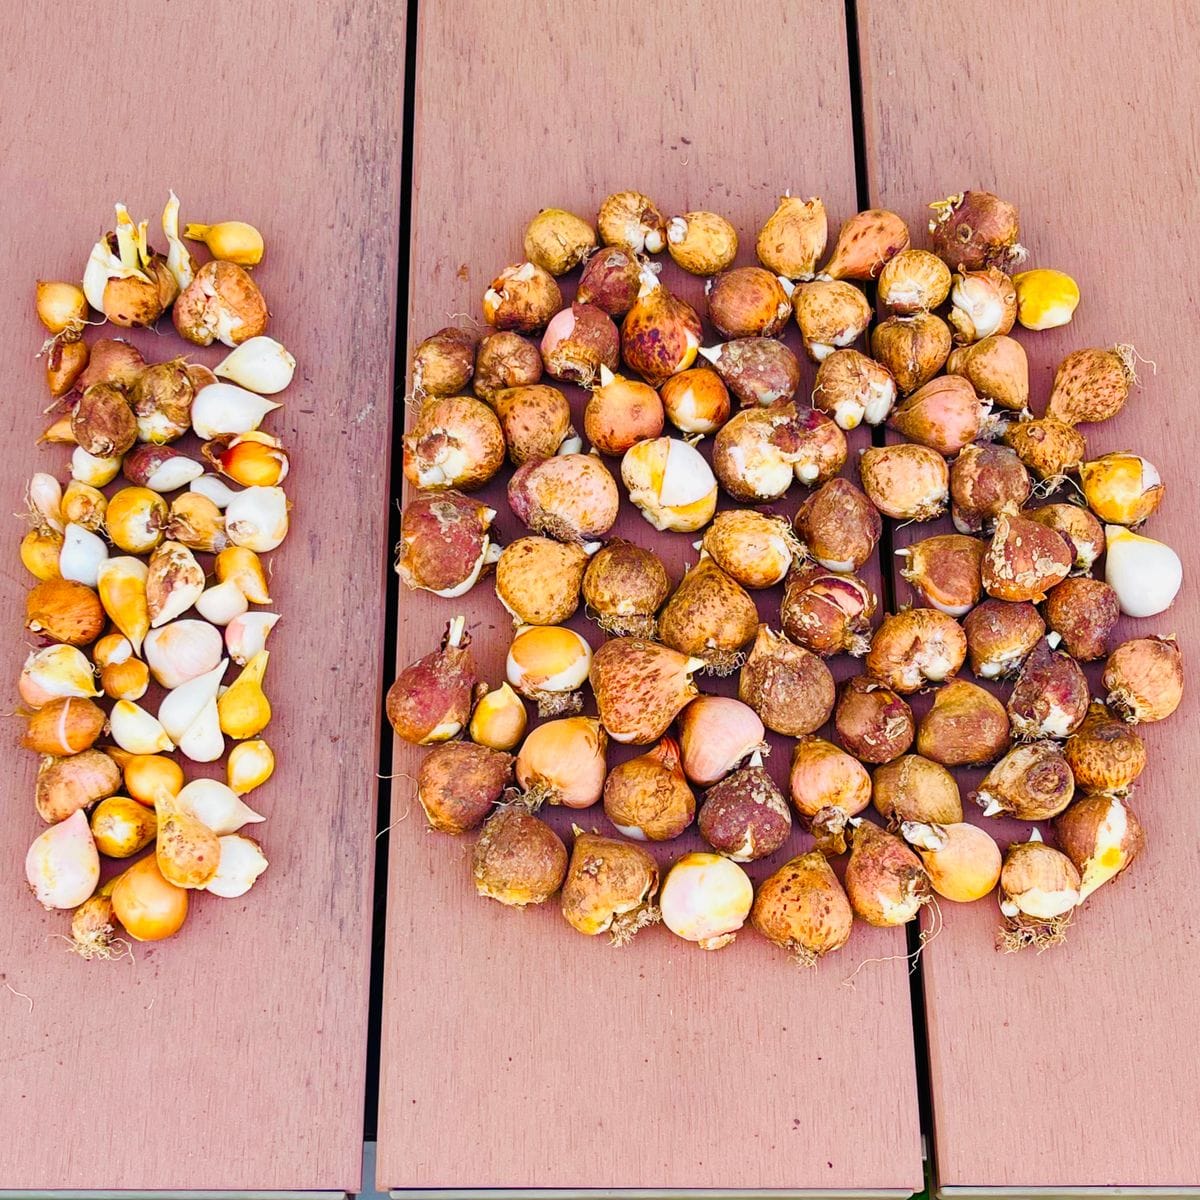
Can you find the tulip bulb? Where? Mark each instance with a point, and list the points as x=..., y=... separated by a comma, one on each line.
x=225, y=408
x=866, y=243
x=660, y=334
x=789, y=687
x=913, y=281
x=257, y=518
x=217, y=805
x=251, y=459
x=222, y=303
x=548, y=664
x=609, y=888
x=64, y=611
x=56, y=671
x=946, y=571
x=1144, y=679
x=886, y=882
x=40, y=553
x=61, y=306
x=647, y=798
x=558, y=241
x=203, y=740
x=213, y=489
x=695, y=400
x=499, y=719
x=706, y=899
x=1092, y=385
x=122, y=588
x=244, y=708
x=92, y=469
x=640, y=686
x=1105, y=754
x=62, y=866
x=1039, y=890
x=915, y=789
x=1101, y=836
x=966, y=725
x=702, y=243
x=148, y=774
x=518, y=859
x=571, y=497
x=803, y=909
x=260, y=365
x=744, y=815
x=242, y=862
x=249, y=766
x=1031, y=782
x=670, y=483
x=246, y=635
x=78, y=781
x=983, y=304
x=963, y=861
x=916, y=647
x=793, y=238
x=624, y=586
x=716, y=734
x=632, y=221
x=852, y=388
x=136, y=730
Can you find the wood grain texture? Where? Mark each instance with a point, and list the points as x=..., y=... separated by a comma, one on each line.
x=1073, y=1068
x=517, y=1053
x=232, y=1057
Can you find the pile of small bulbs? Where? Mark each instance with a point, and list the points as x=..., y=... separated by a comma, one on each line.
x=954, y=384
x=152, y=583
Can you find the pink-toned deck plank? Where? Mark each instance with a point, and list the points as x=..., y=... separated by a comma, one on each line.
x=1076, y=1068
x=518, y=1054
x=234, y=1056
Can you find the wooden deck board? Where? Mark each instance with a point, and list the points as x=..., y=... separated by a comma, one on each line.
x=1075, y=1068
x=232, y=1057
x=516, y=1053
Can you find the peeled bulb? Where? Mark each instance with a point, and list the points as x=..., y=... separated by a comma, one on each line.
x=244, y=708
x=222, y=603
x=706, y=899
x=716, y=734
x=148, y=907
x=549, y=664
x=225, y=408
x=1145, y=574
x=182, y=650
x=257, y=518
x=61, y=306
x=1121, y=488
x=41, y=550
x=217, y=805
x=245, y=568
x=230, y=241
x=246, y=635
x=213, y=489
x=250, y=765
x=136, y=730
x=962, y=860
x=184, y=705
x=242, y=862
x=148, y=774
x=203, y=740
x=62, y=866
x=93, y=469
x=670, y=483
x=121, y=583
x=259, y=364
x=81, y=555
x=121, y=827
x=499, y=719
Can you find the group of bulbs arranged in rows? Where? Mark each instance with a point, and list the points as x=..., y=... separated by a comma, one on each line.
x=156, y=582
x=956, y=387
